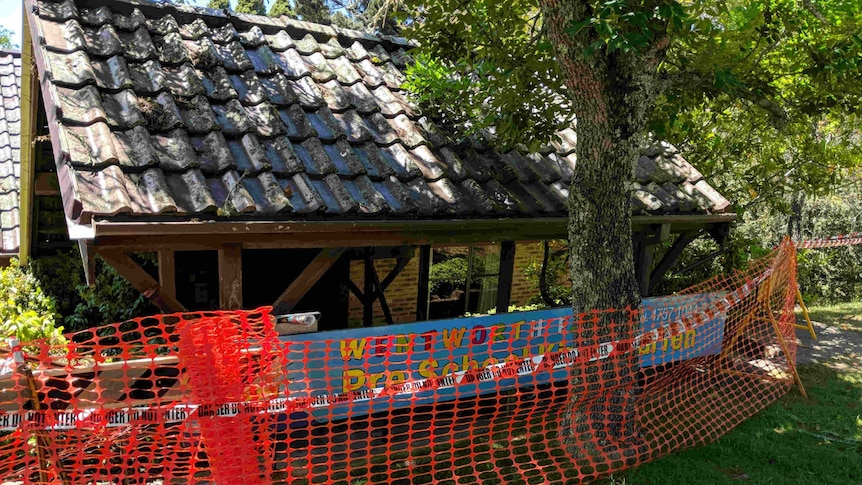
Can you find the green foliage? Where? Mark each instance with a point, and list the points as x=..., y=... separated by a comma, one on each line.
x=281, y=7
x=111, y=299
x=763, y=96
x=26, y=312
x=257, y=7
x=448, y=275
x=219, y=4
x=6, y=38
x=557, y=274
x=488, y=66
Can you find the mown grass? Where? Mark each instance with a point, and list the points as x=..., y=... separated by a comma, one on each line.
x=817, y=440
x=846, y=316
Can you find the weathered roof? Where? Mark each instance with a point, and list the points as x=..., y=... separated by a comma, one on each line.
x=176, y=111
x=10, y=150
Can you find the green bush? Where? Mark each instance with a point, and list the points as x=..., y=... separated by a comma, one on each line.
x=448, y=275
x=26, y=312
x=111, y=299
x=556, y=275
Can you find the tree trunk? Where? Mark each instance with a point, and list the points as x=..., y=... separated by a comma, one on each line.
x=612, y=94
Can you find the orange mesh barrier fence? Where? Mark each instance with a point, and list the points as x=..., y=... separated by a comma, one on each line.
x=533, y=397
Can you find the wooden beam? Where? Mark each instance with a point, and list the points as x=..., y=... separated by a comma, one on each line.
x=669, y=259
x=423, y=293
x=46, y=184
x=312, y=273
x=643, y=261
x=29, y=109
x=506, y=274
x=230, y=277
x=140, y=279
x=167, y=272
x=88, y=256
x=368, y=290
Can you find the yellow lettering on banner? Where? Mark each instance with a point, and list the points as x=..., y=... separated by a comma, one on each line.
x=403, y=344
x=468, y=365
x=690, y=339
x=353, y=348
x=516, y=330
x=353, y=380
x=544, y=349
x=374, y=379
x=497, y=332
x=453, y=337
x=648, y=348
x=676, y=342
x=426, y=368
x=449, y=368
x=396, y=377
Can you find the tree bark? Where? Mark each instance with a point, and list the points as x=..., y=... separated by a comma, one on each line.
x=612, y=94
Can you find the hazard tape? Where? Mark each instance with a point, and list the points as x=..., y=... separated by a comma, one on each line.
x=831, y=242
x=112, y=418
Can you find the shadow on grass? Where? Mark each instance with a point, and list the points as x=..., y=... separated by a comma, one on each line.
x=794, y=441
x=845, y=316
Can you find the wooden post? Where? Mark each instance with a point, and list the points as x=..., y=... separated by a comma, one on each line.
x=643, y=262
x=167, y=273
x=313, y=272
x=368, y=290
x=230, y=276
x=507, y=272
x=669, y=259
x=423, y=293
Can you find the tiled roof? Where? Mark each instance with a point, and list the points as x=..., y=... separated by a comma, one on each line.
x=176, y=111
x=10, y=150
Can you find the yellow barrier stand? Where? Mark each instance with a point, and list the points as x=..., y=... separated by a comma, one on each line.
x=809, y=326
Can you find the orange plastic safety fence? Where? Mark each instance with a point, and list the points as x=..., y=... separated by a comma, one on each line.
x=219, y=397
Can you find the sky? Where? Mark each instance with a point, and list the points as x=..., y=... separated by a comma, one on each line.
x=10, y=16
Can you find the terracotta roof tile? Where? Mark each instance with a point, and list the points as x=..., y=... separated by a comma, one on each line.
x=176, y=110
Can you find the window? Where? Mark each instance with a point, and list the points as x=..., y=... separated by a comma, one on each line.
x=464, y=279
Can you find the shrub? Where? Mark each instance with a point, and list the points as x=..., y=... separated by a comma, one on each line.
x=111, y=299
x=448, y=275
x=26, y=312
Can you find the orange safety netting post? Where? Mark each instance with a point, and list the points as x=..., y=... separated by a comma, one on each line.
x=533, y=397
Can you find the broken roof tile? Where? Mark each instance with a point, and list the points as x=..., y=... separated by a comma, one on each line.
x=195, y=29
x=253, y=37
x=80, y=106
x=65, y=37
x=70, y=70
x=161, y=112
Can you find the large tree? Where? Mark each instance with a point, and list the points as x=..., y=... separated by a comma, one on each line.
x=776, y=78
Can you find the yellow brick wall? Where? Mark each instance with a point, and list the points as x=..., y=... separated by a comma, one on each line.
x=401, y=294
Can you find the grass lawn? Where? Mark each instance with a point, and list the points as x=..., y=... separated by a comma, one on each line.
x=795, y=441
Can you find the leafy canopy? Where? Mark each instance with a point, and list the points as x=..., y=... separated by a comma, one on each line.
x=751, y=90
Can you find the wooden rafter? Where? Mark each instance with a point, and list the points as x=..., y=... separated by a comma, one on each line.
x=669, y=259
x=140, y=279
x=310, y=275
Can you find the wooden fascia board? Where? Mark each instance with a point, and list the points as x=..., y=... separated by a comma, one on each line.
x=296, y=234
x=29, y=102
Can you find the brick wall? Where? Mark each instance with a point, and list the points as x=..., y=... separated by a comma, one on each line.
x=401, y=294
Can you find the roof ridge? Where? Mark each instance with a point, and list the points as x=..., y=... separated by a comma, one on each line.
x=282, y=21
